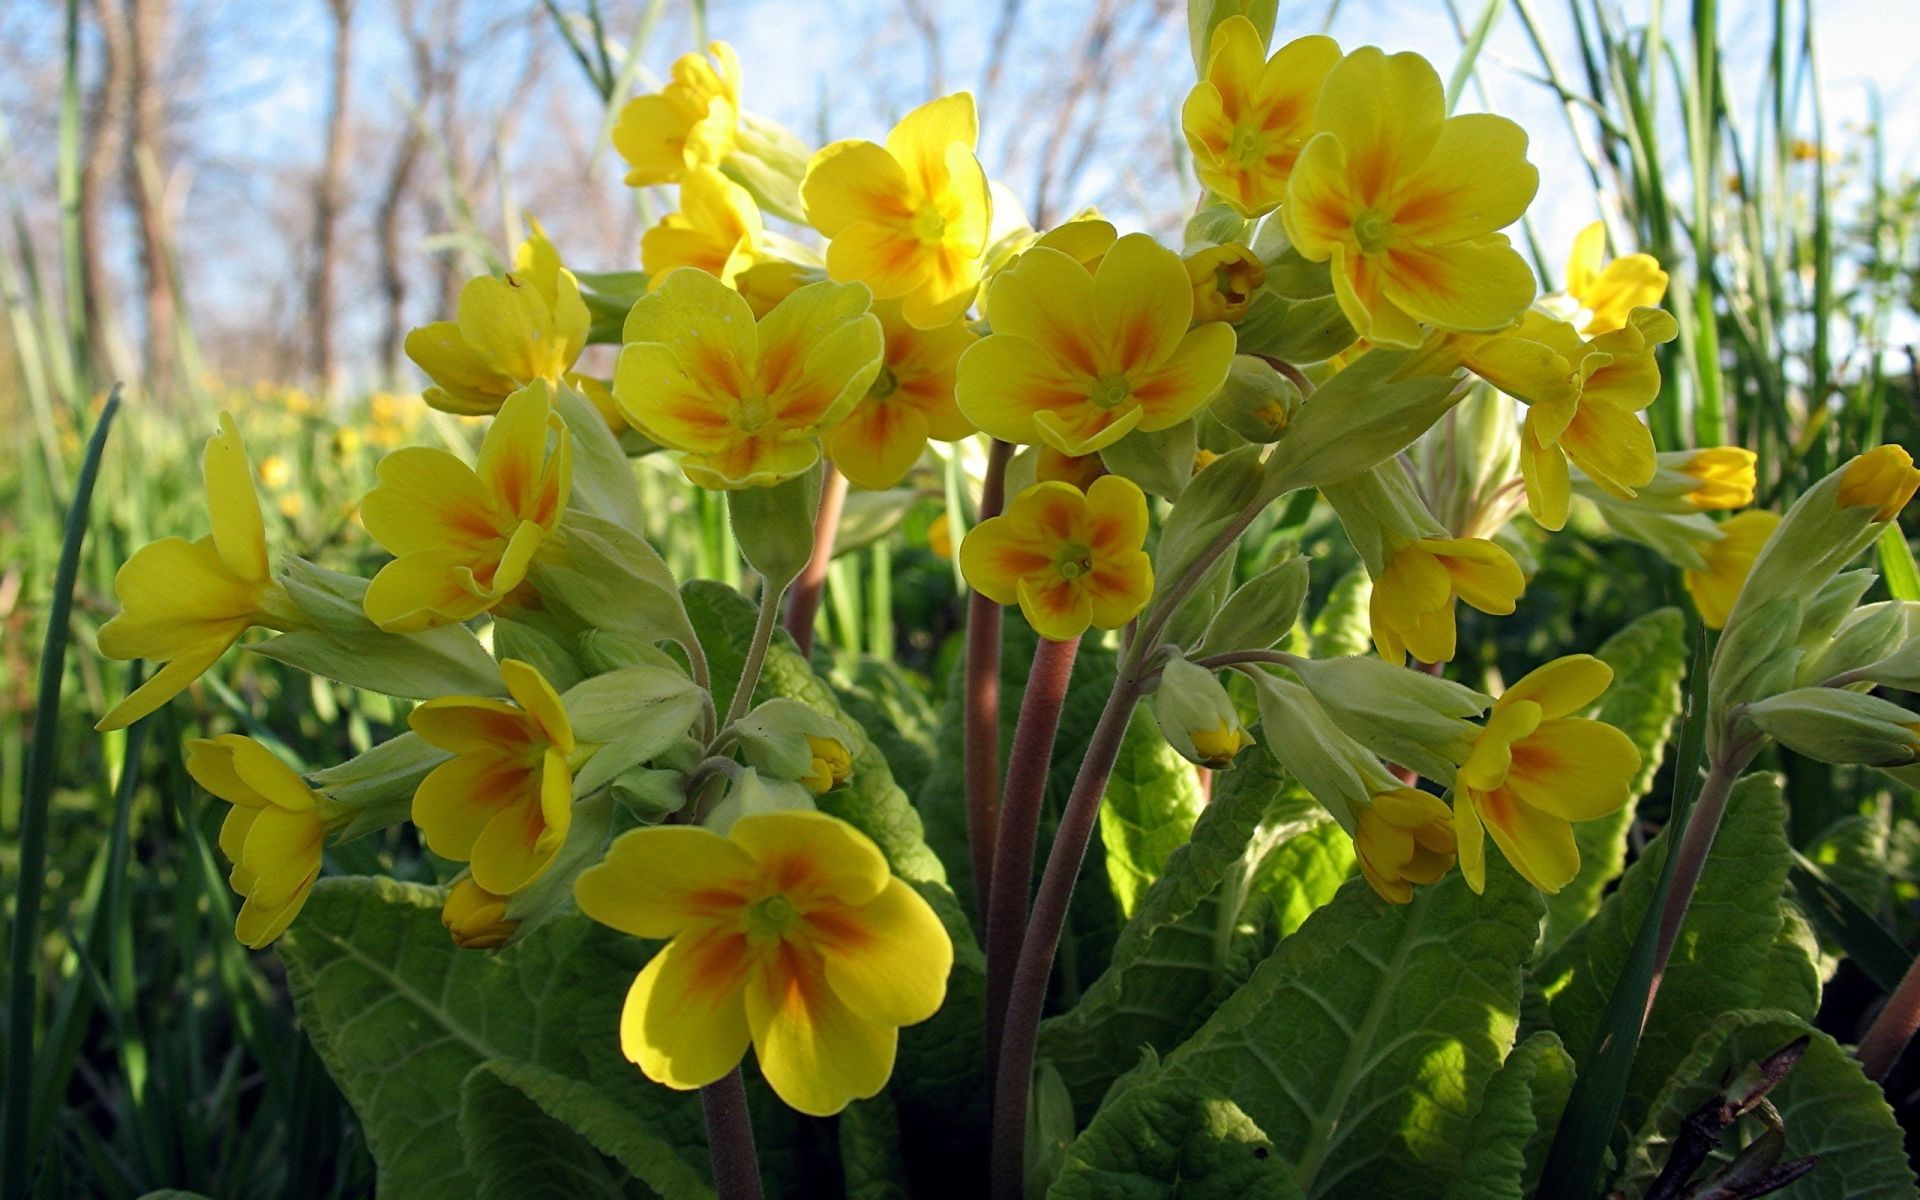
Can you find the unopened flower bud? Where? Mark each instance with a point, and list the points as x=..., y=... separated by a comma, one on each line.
x=1868, y=636
x=786, y=740
x=1838, y=726
x=1404, y=837
x=1257, y=401
x=1196, y=715
x=1408, y=717
x=476, y=918
x=1261, y=611
x=1224, y=279
x=830, y=767
x=1883, y=479
x=749, y=793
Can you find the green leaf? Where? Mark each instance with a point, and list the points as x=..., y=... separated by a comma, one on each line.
x=1897, y=565
x=1340, y=627
x=892, y=707
x=870, y=1150
x=1175, y=1140
x=1152, y=800
x=1508, y=1142
x=1649, y=660
x=1305, y=871
x=1828, y=1108
x=1359, y=1047
x=1844, y=923
x=517, y=1152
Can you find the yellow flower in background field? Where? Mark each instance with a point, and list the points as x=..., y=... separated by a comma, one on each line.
x=184, y=602
x=1404, y=837
x=744, y=403
x=716, y=230
x=504, y=802
x=1405, y=201
x=1609, y=291
x=689, y=123
x=272, y=836
x=1080, y=359
x=908, y=219
x=1412, y=604
x=1068, y=558
x=909, y=402
x=1882, y=479
x=506, y=333
x=476, y=919
x=1224, y=279
x=1729, y=559
x=1249, y=116
x=789, y=935
x=1534, y=769
x=465, y=536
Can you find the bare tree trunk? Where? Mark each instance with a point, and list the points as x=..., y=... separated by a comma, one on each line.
x=147, y=25
x=329, y=199
x=107, y=146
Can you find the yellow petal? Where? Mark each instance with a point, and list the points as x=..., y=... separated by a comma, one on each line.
x=516, y=845
x=1583, y=261
x=176, y=596
x=996, y=554
x=886, y=960
x=707, y=325
x=919, y=143
x=819, y=351
x=257, y=925
x=1188, y=380
x=1482, y=574
x=1386, y=111
x=1477, y=180
x=815, y=1052
x=428, y=500
x=233, y=504
x=1119, y=588
x=814, y=857
x=1540, y=847
x=457, y=799
x=1118, y=510
x=878, y=443
x=1003, y=381
x=1321, y=206
x=504, y=323
x=1612, y=446
x=685, y=1021
x=534, y=694
x=1576, y=770
x=1563, y=686
x=1473, y=286
x=1058, y=609
x=853, y=182
x=268, y=778
x=1472, y=844
x=887, y=258
x=656, y=881
x=1046, y=299
x=1142, y=303
x=282, y=851
x=514, y=451
x=468, y=385
x=425, y=589
x=166, y=683
x=1549, y=486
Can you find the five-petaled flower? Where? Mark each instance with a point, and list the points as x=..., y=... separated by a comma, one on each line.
x=1609, y=291
x=1249, y=116
x=1534, y=769
x=1068, y=558
x=691, y=122
x=273, y=835
x=1080, y=359
x=466, y=536
x=1728, y=560
x=504, y=802
x=909, y=402
x=1412, y=604
x=789, y=934
x=744, y=403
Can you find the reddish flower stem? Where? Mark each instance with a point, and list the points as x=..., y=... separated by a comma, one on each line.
x=803, y=601
x=981, y=707
x=1890, y=1032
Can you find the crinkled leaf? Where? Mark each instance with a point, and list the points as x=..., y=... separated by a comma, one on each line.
x=518, y=1152
x=1180, y=1139
x=1153, y=797
x=1508, y=1143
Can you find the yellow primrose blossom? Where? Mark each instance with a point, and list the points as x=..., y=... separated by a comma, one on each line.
x=691, y=122
x=506, y=333
x=1068, y=558
x=1534, y=769
x=1080, y=359
x=465, y=536
x=273, y=835
x=504, y=801
x=1249, y=116
x=830, y=766
x=187, y=602
x=1883, y=479
x=476, y=919
x=1224, y=279
x=789, y=934
x=1611, y=291
x=909, y=402
x=1405, y=201
x=744, y=403
x=1729, y=559
x=908, y=219
x=1412, y=604
x=1404, y=837
x=717, y=230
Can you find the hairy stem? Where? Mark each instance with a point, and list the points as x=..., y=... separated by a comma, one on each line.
x=756, y=653
x=803, y=599
x=981, y=709
x=736, y=1165
x=1887, y=1038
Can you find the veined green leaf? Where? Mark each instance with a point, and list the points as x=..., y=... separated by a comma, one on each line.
x=1511, y=1133
x=1177, y=1139
x=870, y=1150
x=1152, y=800
x=518, y=1152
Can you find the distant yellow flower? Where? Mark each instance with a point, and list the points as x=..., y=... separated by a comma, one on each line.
x=1403, y=837
x=1405, y=201
x=1729, y=559
x=1224, y=279
x=1068, y=558
x=691, y=122
x=1412, y=605
x=940, y=537
x=788, y=934
x=506, y=333
x=275, y=472
x=476, y=919
x=1079, y=359
x=1883, y=479
x=1249, y=116
x=1611, y=291
x=1534, y=769
x=272, y=836
x=908, y=219
x=465, y=537
x=716, y=230
x=1725, y=476
x=909, y=402
x=504, y=802
x=186, y=602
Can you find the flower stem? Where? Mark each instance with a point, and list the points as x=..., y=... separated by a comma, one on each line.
x=1890, y=1032
x=756, y=653
x=981, y=710
x=736, y=1166
x=1033, y=735
x=1690, y=858
x=803, y=600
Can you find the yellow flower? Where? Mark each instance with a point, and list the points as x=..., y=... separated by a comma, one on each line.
x=1224, y=279
x=1069, y=558
x=1729, y=560
x=908, y=219
x=1405, y=201
x=910, y=401
x=788, y=934
x=743, y=402
x=273, y=835
x=275, y=472
x=1079, y=359
x=1611, y=291
x=769, y=281
x=1412, y=605
x=1080, y=470
x=689, y=123
x=505, y=334
x=1403, y=837
x=465, y=537
x=830, y=766
x=476, y=918
x=1725, y=476
x=717, y=230
x=1534, y=769
x=504, y=801
x=1219, y=746
x=1883, y=479
x=1249, y=116
x=940, y=537
x=187, y=602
